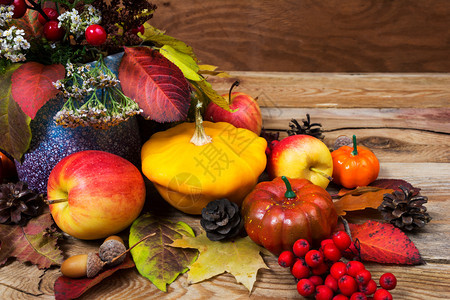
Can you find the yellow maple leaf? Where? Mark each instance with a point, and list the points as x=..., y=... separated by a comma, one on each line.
x=239, y=257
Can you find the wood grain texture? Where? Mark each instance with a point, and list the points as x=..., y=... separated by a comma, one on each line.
x=313, y=36
x=338, y=90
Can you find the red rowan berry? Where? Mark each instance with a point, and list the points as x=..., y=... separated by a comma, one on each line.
x=316, y=280
x=323, y=292
x=300, y=270
x=331, y=252
x=338, y=269
x=368, y=288
x=331, y=282
x=286, y=259
x=388, y=281
x=313, y=258
x=301, y=247
x=325, y=242
x=353, y=267
x=340, y=297
x=358, y=296
x=305, y=287
x=342, y=240
x=363, y=277
x=382, y=294
x=347, y=285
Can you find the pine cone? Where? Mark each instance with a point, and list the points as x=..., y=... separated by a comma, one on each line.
x=314, y=129
x=18, y=204
x=404, y=210
x=221, y=219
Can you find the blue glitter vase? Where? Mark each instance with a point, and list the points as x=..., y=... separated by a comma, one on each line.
x=50, y=143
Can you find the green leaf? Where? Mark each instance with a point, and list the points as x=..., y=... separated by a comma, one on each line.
x=209, y=92
x=156, y=261
x=152, y=34
x=239, y=257
x=15, y=132
x=183, y=61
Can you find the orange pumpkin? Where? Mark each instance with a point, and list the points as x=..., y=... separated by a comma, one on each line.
x=354, y=166
x=279, y=212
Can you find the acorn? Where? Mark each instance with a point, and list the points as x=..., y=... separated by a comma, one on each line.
x=82, y=265
x=112, y=248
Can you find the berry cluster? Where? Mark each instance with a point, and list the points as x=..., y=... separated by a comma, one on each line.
x=322, y=274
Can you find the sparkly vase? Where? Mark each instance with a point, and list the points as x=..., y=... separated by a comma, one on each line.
x=50, y=143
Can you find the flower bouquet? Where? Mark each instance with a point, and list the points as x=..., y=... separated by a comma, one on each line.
x=78, y=72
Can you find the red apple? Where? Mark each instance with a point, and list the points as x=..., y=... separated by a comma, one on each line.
x=301, y=156
x=8, y=167
x=247, y=114
x=95, y=194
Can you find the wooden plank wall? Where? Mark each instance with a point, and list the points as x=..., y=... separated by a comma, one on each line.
x=312, y=35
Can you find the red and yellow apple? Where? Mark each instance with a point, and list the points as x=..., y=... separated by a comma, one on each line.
x=7, y=167
x=245, y=112
x=95, y=194
x=301, y=156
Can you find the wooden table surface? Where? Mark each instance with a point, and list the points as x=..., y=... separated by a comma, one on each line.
x=403, y=118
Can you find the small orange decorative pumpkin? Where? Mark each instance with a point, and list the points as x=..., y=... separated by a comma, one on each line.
x=279, y=212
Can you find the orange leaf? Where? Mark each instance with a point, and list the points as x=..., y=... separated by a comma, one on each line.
x=359, y=199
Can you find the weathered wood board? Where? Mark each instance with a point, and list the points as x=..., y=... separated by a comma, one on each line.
x=313, y=36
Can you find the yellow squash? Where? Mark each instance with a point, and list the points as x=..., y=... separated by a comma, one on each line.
x=192, y=164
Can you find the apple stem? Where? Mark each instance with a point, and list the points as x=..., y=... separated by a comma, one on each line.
x=55, y=201
x=355, y=148
x=236, y=83
x=200, y=137
x=125, y=252
x=289, y=192
x=322, y=173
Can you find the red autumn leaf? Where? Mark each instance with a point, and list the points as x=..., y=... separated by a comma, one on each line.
x=69, y=288
x=155, y=83
x=30, y=243
x=32, y=85
x=394, y=184
x=29, y=23
x=385, y=243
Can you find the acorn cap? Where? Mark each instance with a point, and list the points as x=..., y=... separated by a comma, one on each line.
x=110, y=249
x=94, y=265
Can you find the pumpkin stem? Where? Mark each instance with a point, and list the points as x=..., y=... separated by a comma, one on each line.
x=289, y=192
x=200, y=137
x=355, y=149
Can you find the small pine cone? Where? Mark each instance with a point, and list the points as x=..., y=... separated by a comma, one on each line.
x=221, y=219
x=404, y=210
x=18, y=204
x=308, y=128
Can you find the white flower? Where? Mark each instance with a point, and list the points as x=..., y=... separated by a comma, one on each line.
x=13, y=42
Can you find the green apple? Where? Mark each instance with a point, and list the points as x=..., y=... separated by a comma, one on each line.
x=301, y=156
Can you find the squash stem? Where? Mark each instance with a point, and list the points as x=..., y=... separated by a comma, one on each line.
x=355, y=149
x=200, y=137
x=289, y=192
